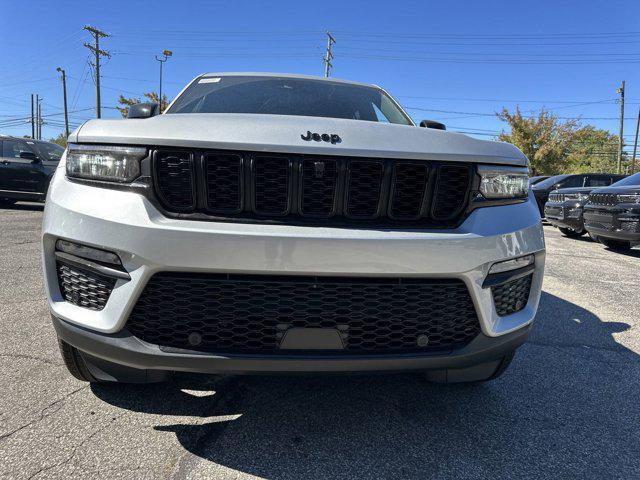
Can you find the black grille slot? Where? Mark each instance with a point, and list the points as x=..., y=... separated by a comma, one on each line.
x=175, y=179
x=452, y=187
x=250, y=314
x=83, y=287
x=223, y=175
x=364, y=188
x=272, y=185
x=319, y=184
x=511, y=297
x=408, y=190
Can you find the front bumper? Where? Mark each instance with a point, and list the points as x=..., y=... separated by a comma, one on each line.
x=619, y=222
x=144, y=362
x=148, y=243
x=565, y=215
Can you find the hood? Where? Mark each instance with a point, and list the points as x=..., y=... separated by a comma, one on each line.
x=621, y=189
x=574, y=190
x=283, y=134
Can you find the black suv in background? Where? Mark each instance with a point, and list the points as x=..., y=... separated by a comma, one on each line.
x=564, y=210
x=612, y=214
x=26, y=168
x=542, y=189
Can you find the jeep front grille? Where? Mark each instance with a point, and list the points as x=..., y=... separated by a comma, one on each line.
x=608, y=199
x=251, y=313
x=294, y=189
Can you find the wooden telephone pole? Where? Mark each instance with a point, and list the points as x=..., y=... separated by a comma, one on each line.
x=97, y=35
x=328, y=56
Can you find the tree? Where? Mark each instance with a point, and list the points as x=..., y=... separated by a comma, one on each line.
x=60, y=140
x=542, y=138
x=555, y=147
x=593, y=150
x=150, y=97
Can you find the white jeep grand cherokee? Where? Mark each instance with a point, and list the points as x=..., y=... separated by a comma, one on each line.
x=284, y=223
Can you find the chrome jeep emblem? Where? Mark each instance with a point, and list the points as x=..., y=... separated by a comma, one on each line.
x=332, y=138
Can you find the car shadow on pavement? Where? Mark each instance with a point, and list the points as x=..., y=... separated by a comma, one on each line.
x=35, y=207
x=567, y=407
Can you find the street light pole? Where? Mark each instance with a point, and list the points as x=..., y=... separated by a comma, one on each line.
x=64, y=95
x=165, y=54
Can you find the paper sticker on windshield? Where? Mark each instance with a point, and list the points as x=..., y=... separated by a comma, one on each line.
x=209, y=80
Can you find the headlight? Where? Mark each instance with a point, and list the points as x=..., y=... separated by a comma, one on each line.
x=576, y=196
x=104, y=162
x=629, y=198
x=503, y=182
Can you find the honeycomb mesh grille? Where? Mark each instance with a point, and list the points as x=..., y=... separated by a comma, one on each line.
x=511, y=297
x=223, y=175
x=319, y=180
x=175, y=179
x=271, y=176
x=83, y=287
x=363, y=190
x=245, y=314
x=410, y=182
x=452, y=186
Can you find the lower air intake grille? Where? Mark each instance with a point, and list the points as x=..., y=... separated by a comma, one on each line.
x=250, y=314
x=511, y=297
x=83, y=287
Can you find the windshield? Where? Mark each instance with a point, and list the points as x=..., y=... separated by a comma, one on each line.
x=549, y=182
x=48, y=151
x=288, y=96
x=631, y=180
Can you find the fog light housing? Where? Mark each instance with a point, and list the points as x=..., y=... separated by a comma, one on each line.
x=88, y=253
x=513, y=264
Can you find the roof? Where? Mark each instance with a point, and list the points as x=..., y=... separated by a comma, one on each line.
x=286, y=75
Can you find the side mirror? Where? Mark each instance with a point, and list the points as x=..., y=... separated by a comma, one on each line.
x=143, y=110
x=29, y=156
x=433, y=124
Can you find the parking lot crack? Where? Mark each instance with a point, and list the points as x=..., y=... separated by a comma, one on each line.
x=45, y=412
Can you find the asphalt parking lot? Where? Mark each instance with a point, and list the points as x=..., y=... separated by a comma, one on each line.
x=567, y=408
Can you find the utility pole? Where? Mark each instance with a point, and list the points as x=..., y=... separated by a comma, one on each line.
x=33, y=122
x=64, y=96
x=166, y=54
x=39, y=117
x=37, y=137
x=97, y=35
x=635, y=145
x=620, y=139
x=328, y=56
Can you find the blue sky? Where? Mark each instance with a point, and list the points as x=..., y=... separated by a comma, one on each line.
x=457, y=62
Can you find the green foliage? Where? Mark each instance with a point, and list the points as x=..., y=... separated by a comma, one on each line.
x=150, y=97
x=60, y=140
x=555, y=147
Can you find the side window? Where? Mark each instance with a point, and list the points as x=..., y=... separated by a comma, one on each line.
x=598, y=181
x=380, y=116
x=13, y=148
x=573, y=181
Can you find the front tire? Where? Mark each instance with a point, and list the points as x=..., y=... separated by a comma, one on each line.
x=75, y=363
x=615, y=245
x=567, y=232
